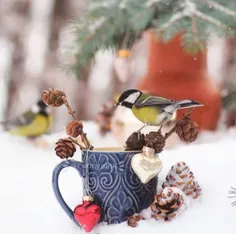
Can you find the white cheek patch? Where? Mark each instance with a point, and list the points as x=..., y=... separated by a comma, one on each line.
x=132, y=97
x=35, y=109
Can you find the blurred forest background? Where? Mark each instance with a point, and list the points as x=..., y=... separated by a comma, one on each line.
x=34, y=37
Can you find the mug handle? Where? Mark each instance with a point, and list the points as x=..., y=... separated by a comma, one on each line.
x=79, y=166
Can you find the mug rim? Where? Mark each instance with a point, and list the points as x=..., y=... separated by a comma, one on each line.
x=111, y=150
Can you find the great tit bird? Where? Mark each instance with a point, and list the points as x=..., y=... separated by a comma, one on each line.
x=31, y=123
x=152, y=110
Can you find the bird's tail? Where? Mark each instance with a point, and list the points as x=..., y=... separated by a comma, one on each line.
x=187, y=104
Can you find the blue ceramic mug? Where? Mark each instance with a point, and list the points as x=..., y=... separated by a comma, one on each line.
x=109, y=179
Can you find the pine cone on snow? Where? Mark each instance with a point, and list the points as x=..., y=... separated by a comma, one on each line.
x=166, y=204
x=155, y=140
x=135, y=141
x=181, y=177
x=65, y=148
x=187, y=130
x=134, y=219
x=74, y=128
x=53, y=97
x=104, y=117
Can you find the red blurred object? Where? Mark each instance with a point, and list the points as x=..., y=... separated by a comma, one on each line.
x=87, y=215
x=174, y=74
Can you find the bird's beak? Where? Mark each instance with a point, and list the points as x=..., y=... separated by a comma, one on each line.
x=117, y=104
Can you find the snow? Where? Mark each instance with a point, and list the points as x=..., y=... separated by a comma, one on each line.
x=28, y=205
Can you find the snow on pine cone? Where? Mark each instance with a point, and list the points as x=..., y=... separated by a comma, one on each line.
x=187, y=130
x=181, y=177
x=166, y=204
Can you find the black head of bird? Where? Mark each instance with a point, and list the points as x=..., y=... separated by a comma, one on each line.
x=128, y=98
x=41, y=108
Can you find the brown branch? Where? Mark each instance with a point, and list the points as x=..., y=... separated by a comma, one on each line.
x=83, y=135
x=86, y=141
x=71, y=112
x=81, y=147
x=168, y=134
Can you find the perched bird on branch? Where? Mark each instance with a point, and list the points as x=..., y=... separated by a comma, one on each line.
x=152, y=110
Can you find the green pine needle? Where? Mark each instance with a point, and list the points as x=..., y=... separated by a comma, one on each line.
x=116, y=24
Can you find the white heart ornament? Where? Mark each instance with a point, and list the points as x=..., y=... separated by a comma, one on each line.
x=146, y=167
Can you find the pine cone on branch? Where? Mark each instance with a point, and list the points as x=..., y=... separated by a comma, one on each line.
x=181, y=177
x=135, y=141
x=74, y=128
x=166, y=204
x=65, y=148
x=187, y=130
x=155, y=140
x=104, y=117
x=53, y=97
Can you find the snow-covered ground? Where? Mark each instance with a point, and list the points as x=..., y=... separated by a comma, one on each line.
x=28, y=205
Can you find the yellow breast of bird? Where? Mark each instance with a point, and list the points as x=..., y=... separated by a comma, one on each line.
x=38, y=126
x=147, y=115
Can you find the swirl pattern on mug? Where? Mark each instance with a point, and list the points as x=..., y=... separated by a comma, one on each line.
x=114, y=185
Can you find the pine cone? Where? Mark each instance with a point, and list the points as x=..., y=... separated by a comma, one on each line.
x=181, y=177
x=155, y=140
x=74, y=128
x=65, y=148
x=134, y=219
x=53, y=97
x=135, y=141
x=187, y=130
x=104, y=117
x=166, y=203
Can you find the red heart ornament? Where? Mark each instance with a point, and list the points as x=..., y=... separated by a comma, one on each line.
x=87, y=215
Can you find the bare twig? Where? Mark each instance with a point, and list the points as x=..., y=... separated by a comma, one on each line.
x=81, y=147
x=83, y=135
x=86, y=141
x=71, y=112
x=168, y=134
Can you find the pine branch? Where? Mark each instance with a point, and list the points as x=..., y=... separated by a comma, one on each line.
x=220, y=8
x=152, y=2
x=114, y=20
x=211, y=20
x=172, y=20
x=194, y=30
